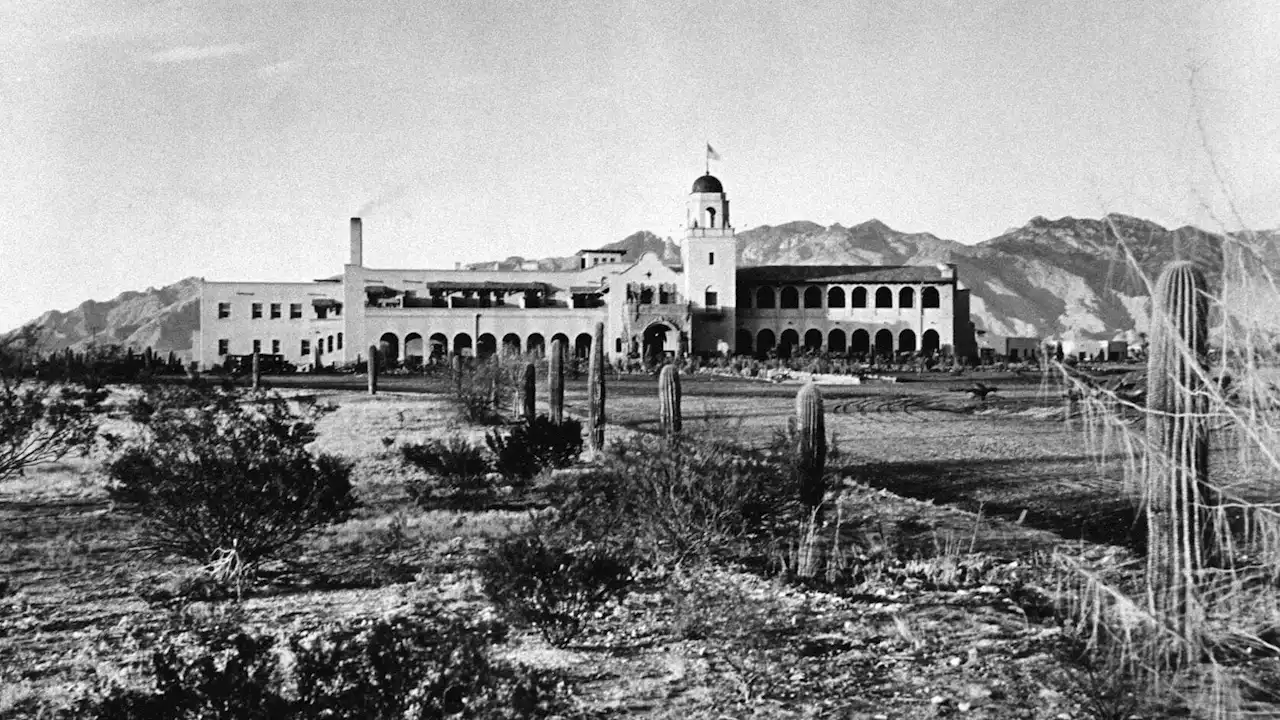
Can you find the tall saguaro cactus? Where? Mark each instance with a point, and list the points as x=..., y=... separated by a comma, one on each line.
x=257, y=369
x=373, y=369
x=669, y=400
x=595, y=392
x=528, y=392
x=555, y=380
x=1177, y=461
x=811, y=445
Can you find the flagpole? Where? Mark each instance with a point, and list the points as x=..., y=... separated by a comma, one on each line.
x=708, y=157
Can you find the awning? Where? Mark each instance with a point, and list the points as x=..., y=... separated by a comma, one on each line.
x=586, y=290
x=484, y=286
x=381, y=291
x=325, y=303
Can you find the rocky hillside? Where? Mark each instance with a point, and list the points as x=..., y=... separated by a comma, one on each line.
x=1069, y=278
x=162, y=319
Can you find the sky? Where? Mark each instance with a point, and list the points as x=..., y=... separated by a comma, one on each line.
x=144, y=141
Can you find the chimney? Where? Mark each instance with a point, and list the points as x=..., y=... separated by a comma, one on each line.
x=357, y=242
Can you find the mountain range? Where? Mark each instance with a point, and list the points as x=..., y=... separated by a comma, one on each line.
x=1068, y=279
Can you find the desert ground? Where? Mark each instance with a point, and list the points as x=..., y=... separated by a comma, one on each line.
x=950, y=508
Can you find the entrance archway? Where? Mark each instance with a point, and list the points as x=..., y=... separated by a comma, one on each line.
x=930, y=342
x=884, y=342
x=413, y=346
x=582, y=345
x=765, y=341
x=658, y=339
x=511, y=344
x=536, y=345
x=462, y=344
x=787, y=343
x=439, y=344
x=860, y=342
x=486, y=345
x=742, y=341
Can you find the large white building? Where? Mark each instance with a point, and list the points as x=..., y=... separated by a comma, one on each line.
x=708, y=304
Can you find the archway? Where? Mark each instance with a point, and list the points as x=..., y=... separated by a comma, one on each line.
x=860, y=342
x=582, y=345
x=744, y=297
x=389, y=348
x=929, y=298
x=564, y=341
x=859, y=297
x=835, y=297
x=789, y=340
x=813, y=297
x=765, y=341
x=764, y=298
x=884, y=298
x=884, y=343
x=462, y=344
x=486, y=345
x=813, y=340
x=790, y=298
x=907, y=297
x=930, y=342
x=511, y=344
x=413, y=347
x=657, y=340
x=742, y=341
x=536, y=345
x=907, y=341
x=439, y=343
x=836, y=341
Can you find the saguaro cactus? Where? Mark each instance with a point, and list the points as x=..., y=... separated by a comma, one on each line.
x=811, y=445
x=528, y=393
x=555, y=380
x=373, y=369
x=257, y=370
x=595, y=392
x=669, y=400
x=1177, y=460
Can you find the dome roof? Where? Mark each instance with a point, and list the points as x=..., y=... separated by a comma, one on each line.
x=707, y=184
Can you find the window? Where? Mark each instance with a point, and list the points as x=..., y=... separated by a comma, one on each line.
x=764, y=298
x=224, y=346
x=275, y=311
x=906, y=297
x=711, y=258
x=813, y=297
x=884, y=299
x=275, y=347
x=330, y=343
x=306, y=348
x=713, y=299
x=617, y=345
x=859, y=298
x=257, y=346
x=256, y=311
x=835, y=297
x=295, y=311
x=929, y=298
x=339, y=341
x=224, y=311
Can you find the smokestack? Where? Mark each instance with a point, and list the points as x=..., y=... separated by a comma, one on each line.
x=357, y=242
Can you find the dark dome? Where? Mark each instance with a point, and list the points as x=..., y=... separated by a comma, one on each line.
x=707, y=184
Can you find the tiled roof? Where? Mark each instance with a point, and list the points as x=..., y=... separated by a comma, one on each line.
x=782, y=274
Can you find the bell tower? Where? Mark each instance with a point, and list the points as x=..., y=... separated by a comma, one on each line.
x=710, y=255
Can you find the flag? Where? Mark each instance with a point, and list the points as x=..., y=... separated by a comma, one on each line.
x=711, y=153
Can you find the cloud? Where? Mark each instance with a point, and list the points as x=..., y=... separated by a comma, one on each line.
x=189, y=53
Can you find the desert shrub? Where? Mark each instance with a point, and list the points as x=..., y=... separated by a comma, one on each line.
x=542, y=580
x=429, y=664
x=40, y=420
x=458, y=470
x=694, y=497
x=531, y=447
x=221, y=672
x=410, y=667
x=476, y=390
x=221, y=480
